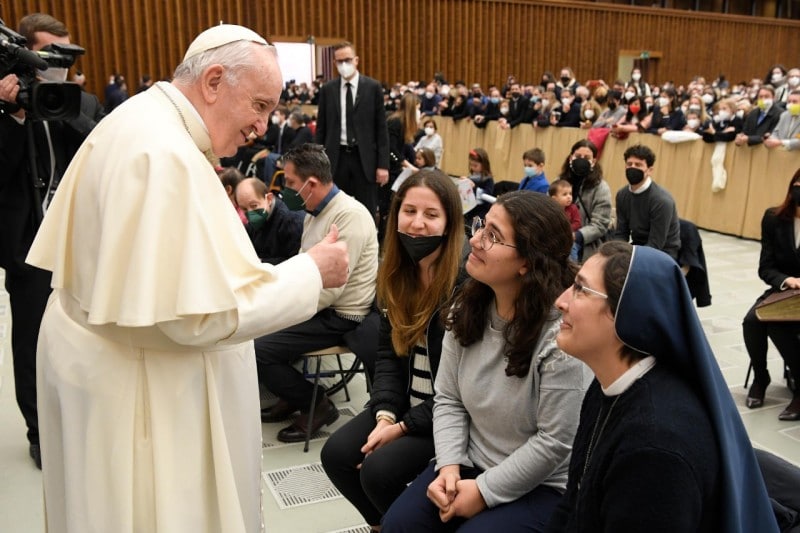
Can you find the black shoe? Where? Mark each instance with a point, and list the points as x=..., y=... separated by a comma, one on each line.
x=755, y=396
x=277, y=413
x=792, y=411
x=324, y=414
x=36, y=454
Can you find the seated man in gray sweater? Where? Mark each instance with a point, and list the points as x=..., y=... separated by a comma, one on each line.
x=340, y=311
x=646, y=213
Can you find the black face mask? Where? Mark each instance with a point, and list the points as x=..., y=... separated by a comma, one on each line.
x=634, y=175
x=796, y=195
x=580, y=167
x=420, y=247
x=515, y=95
x=564, y=80
x=612, y=105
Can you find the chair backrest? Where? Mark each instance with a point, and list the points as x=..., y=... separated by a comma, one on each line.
x=276, y=183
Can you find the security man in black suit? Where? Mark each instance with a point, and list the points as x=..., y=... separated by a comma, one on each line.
x=21, y=205
x=351, y=124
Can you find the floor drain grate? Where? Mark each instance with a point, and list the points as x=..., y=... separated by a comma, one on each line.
x=300, y=485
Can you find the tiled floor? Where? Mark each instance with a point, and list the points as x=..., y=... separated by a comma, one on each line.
x=297, y=495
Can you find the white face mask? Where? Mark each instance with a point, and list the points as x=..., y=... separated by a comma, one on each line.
x=629, y=95
x=428, y=94
x=794, y=81
x=693, y=123
x=663, y=102
x=346, y=70
x=723, y=116
x=707, y=99
x=276, y=119
x=588, y=114
x=740, y=113
x=53, y=74
x=566, y=102
x=545, y=103
x=429, y=131
x=777, y=77
x=636, y=76
x=504, y=111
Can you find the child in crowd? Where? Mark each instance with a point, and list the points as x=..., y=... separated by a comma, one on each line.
x=230, y=178
x=480, y=176
x=533, y=163
x=424, y=159
x=561, y=191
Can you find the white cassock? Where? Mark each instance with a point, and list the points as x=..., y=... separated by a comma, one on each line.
x=148, y=395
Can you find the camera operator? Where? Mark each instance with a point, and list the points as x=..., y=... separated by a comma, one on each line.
x=52, y=147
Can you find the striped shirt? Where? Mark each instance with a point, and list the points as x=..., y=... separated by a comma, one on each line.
x=421, y=378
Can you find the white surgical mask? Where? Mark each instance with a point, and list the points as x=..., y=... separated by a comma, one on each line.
x=740, y=113
x=777, y=77
x=723, y=116
x=629, y=95
x=428, y=94
x=566, y=102
x=693, y=123
x=707, y=98
x=429, y=131
x=636, y=76
x=53, y=74
x=794, y=81
x=504, y=110
x=588, y=114
x=545, y=103
x=276, y=119
x=346, y=70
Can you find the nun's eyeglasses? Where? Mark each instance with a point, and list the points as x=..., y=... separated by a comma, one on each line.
x=577, y=288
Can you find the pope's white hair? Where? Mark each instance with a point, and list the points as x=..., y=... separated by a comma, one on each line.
x=235, y=57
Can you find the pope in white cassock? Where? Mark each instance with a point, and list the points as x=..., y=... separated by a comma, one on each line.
x=148, y=396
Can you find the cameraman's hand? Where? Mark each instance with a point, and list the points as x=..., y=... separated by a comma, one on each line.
x=9, y=88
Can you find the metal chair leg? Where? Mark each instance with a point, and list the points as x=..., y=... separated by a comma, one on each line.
x=313, y=404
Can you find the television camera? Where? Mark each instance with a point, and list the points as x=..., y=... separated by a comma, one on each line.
x=42, y=100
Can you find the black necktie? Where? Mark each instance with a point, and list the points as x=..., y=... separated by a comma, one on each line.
x=348, y=110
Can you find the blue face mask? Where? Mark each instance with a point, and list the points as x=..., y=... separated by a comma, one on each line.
x=531, y=172
x=494, y=100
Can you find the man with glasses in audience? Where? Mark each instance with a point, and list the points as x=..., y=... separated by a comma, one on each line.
x=351, y=125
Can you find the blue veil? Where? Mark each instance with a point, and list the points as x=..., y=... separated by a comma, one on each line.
x=656, y=316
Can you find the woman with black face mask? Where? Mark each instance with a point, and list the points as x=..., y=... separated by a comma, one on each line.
x=372, y=458
x=779, y=267
x=591, y=193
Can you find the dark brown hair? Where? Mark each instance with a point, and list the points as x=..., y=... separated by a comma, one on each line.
x=543, y=238
x=30, y=24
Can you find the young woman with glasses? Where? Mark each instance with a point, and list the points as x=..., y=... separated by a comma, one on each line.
x=507, y=399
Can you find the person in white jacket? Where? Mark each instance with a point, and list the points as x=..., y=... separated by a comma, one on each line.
x=148, y=395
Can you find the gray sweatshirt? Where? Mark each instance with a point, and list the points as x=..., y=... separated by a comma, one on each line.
x=518, y=430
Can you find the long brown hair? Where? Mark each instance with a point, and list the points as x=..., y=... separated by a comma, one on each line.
x=409, y=305
x=543, y=237
x=788, y=208
x=407, y=114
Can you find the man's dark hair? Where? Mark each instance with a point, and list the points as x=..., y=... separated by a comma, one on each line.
x=310, y=160
x=30, y=24
x=640, y=151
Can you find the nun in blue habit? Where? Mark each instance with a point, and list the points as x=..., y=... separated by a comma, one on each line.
x=660, y=445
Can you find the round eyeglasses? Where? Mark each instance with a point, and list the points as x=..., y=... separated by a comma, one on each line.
x=488, y=237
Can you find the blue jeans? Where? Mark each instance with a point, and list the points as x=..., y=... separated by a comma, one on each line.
x=413, y=512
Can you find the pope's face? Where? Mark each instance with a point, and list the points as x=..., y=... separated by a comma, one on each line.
x=242, y=108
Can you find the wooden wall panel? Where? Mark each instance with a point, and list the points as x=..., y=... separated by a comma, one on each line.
x=398, y=40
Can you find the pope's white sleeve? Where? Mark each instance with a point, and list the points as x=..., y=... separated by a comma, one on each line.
x=286, y=297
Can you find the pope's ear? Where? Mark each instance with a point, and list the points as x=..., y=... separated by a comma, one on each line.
x=211, y=81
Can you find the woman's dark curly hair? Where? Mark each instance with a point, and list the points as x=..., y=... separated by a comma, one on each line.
x=543, y=238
